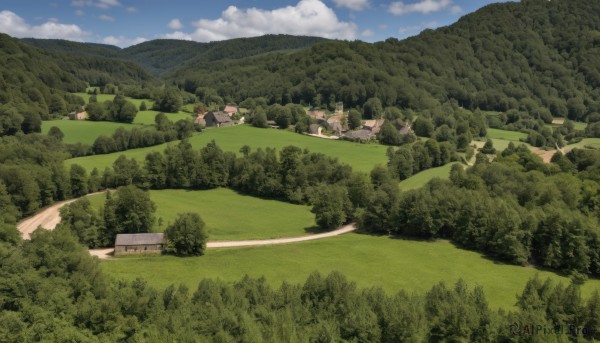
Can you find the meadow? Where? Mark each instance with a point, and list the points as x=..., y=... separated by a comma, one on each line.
x=505, y=135
x=392, y=264
x=83, y=131
x=593, y=143
x=142, y=117
x=229, y=215
x=420, y=179
x=362, y=157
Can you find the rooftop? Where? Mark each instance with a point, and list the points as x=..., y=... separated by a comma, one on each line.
x=139, y=238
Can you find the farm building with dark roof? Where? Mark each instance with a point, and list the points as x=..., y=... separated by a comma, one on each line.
x=139, y=243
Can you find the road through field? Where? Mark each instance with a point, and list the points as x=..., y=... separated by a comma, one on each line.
x=50, y=217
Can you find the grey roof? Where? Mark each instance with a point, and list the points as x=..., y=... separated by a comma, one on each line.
x=139, y=238
x=221, y=117
x=405, y=130
x=359, y=134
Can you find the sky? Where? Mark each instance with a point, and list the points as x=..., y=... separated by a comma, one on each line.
x=129, y=22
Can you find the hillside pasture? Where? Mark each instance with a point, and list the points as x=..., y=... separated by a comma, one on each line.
x=362, y=157
x=142, y=117
x=505, y=135
x=593, y=143
x=83, y=131
x=393, y=264
x=229, y=215
x=421, y=179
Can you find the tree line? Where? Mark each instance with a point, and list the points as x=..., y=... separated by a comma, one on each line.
x=516, y=209
x=537, y=57
x=53, y=274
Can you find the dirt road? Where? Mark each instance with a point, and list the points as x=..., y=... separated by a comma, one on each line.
x=50, y=217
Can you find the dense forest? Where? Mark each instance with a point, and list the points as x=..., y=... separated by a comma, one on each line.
x=53, y=291
x=512, y=66
x=163, y=55
x=505, y=56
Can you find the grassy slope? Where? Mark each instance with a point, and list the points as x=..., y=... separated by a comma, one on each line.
x=370, y=261
x=587, y=142
x=143, y=117
x=362, y=157
x=504, y=134
x=80, y=131
x=420, y=179
x=229, y=215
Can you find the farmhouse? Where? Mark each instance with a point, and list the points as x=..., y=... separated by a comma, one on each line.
x=406, y=130
x=230, y=110
x=139, y=243
x=78, y=116
x=315, y=129
x=217, y=119
x=359, y=135
x=373, y=125
x=314, y=114
x=200, y=120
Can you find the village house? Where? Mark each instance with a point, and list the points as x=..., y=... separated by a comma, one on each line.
x=78, y=116
x=359, y=135
x=317, y=115
x=139, y=243
x=406, y=130
x=217, y=119
x=200, y=120
x=373, y=125
x=315, y=129
x=230, y=110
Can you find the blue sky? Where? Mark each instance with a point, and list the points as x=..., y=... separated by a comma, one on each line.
x=127, y=22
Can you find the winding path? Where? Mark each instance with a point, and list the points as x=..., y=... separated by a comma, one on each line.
x=49, y=217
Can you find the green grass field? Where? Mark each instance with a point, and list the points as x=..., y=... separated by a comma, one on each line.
x=362, y=157
x=393, y=264
x=143, y=117
x=420, y=179
x=587, y=142
x=229, y=215
x=505, y=135
x=147, y=117
x=109, y=97
x=83, y=131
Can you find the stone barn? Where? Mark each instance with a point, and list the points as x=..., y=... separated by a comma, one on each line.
x=139, y=243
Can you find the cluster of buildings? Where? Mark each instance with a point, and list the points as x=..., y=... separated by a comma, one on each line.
x=219, y=118
x=337, y=124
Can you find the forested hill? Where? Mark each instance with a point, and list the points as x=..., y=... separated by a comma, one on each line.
x=76, y=48
x=34, y=82
x=163, y=55
x=507, y=55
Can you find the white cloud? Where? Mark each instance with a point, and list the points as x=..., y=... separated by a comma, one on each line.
x=131, y=9
x=175, y=24
x=105, y=4
x=382, y=26
x=123, y=41
x=80, y=13
x=417, y=28
x=367, y=33
x=423, y=6
x=356, y=5
x=106, y=17
x=13, y=25
x=308, y=17
x=456, y=9
x=177, y=35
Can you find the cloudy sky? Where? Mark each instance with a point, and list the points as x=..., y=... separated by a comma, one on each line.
x=128, y=22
